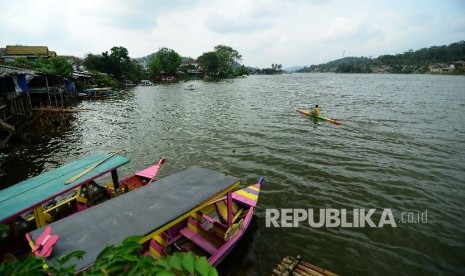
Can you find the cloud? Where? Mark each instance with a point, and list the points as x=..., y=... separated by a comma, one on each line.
x=299, y=32
x=236, y=24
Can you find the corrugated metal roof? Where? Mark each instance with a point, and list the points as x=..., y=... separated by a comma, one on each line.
x=11, y=71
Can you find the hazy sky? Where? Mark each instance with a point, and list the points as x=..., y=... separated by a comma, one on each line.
x=287, y=32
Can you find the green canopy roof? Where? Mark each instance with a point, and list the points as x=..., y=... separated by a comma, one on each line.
x=33, y=192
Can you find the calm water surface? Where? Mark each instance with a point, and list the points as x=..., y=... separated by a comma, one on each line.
x=401, y=146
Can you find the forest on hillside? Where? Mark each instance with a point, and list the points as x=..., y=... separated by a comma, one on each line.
x=435, y=59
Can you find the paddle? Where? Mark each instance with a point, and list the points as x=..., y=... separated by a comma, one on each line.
x=44, y=241
x=29, y=240
x=74, y=178
x=43, y=238
x=233, y=230
x=48, y=246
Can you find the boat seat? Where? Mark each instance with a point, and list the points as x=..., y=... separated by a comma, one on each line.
x=199, y=240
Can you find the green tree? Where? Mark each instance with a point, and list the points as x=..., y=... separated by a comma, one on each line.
x=134, y=71
x=53, y=66
x=123, y=259
x=220, y=62
x=117, y=64
x=165, y=61
x=119, y=54
x=227, y=56
x=241, y=71
x=210, y=63
x=58, y=66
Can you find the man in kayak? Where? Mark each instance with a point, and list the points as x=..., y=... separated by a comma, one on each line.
x=316, y=111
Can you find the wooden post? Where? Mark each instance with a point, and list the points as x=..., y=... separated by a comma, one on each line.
x=48, y=92
x=114, y=177
x=22, y=105
x=39, y=216
x=61, y=96
x=6, y=126
x=29, y=100
x=13, y=107
x=230, y=211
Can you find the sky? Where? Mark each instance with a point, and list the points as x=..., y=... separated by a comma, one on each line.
x=264, y=32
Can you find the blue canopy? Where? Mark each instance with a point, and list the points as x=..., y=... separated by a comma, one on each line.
x=70, y=86
x=22, y=83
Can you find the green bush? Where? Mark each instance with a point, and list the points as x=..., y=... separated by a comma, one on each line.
x=115, y=260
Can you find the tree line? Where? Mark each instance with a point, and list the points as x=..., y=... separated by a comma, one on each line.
x=408, y=62
x=115, y=66
x=275, y=69
x=219, y=63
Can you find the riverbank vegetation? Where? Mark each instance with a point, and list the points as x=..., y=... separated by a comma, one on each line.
x=57, y=66
x=117, y=65
x=165, y=64
x=275, y=69
x=436, y=59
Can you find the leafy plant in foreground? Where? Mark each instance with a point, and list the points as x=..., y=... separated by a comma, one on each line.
x=116, y=260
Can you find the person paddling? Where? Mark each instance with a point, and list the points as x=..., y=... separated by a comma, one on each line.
x=316, y=111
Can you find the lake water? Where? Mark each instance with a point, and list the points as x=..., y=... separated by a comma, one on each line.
x=400, y=148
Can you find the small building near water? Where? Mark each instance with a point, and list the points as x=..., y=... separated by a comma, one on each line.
x=14, y=97
x=22, y=89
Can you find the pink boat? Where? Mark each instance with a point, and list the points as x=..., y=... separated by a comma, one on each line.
x=212, y=231
x=194, y=210
x=61, y=192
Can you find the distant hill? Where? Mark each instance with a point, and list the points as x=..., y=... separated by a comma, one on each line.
x=145, y=60
x=148, y=58
x=293, y=68
x=435, y=59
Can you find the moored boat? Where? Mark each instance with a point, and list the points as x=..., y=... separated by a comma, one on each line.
x=211, y=231
x=189, y=87
x=317, y=117
x=193, y=210
x=101, y=92
x=64, y=191
x=128, y=83
x=145, y=83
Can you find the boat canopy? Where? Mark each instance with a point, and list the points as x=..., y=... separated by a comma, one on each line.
x=139, y=212
x=37, y=190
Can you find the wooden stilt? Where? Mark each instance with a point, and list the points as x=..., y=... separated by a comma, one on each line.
x=6, y=126
x=48, y=91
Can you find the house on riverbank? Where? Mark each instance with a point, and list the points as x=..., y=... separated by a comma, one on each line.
x=23, y=89
x=447, y=68
x=14, y=99
x=9, y=53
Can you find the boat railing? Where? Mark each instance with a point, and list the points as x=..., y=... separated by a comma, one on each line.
x=80, y=198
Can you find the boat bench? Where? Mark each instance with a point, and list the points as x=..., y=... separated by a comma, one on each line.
x=199, y=240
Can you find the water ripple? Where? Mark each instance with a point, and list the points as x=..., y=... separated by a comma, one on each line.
x=392, y=151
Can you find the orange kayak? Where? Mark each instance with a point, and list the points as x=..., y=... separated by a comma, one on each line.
x=319, y=117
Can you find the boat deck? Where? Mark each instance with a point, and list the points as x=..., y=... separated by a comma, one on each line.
x=137, y=213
